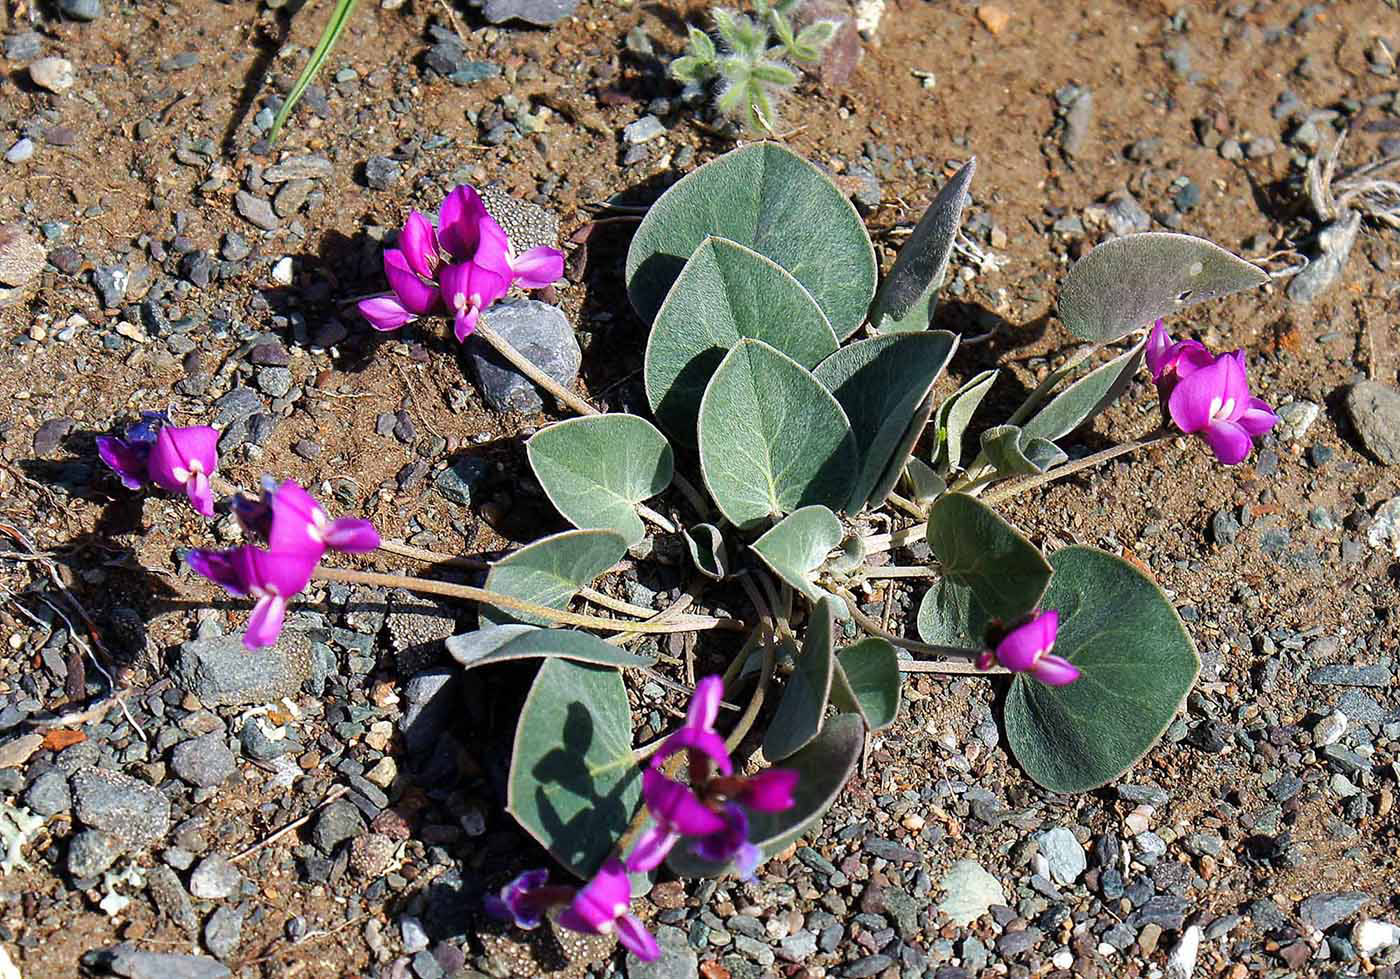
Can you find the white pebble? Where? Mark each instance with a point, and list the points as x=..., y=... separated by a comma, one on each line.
x=1330, y=729
x=1370, y=936
x=869, y=13
x=1182, y=962
x=1063, y=959
x=21, y=151
x=282, y=271
x=54, y=74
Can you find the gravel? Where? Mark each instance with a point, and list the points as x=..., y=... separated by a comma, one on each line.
x=1374, y=410
x=54, y=74
x=91, y=852
x=131, y=810
x=220, y=671
x=214, y=878
x=204, y=761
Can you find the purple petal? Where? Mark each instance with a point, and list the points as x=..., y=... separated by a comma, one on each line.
x=1191, y=357
x=415, y=294
x=1025, y=643
x=464, y=324
x=746, y=861
x=254, y=516
x=537, y=268
x=283, y=572
x=723, y=845
x=650, y=849
x=228, y=569
x=1055, y=671
x=265, y=624
x=1257, y=418
x=182, y=451
x=419, y=244
x=675, y=807
x=352, y=536
x=1157, y=344
x=459, y=221
x=706, y=742
x=602, y=901
x=515, y=901
x=147, y=428
x=1195, y=397
x=1229, y=442
x=200, y=494
x=297, y=520
x=493, y=248
x=384, y=313
x=770, y=790
x=636, y=939
x=126, y=460
x=704, y=703
x=1236, y=391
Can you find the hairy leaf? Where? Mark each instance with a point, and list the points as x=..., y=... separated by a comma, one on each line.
x=866, y=682
x=500, y=643
x=551, y=571
x=977, y=548
x=1086, y=397
x=795, y=547
x=953, y=417
x=802, y=709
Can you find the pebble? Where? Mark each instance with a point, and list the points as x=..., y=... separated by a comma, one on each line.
x=223, y=931
x=1079, y=116
x=22, y=150
x=48, y=794
x=1322, y=911
x=91, y=852
x=994, y=17
x=1181, y=963
x=1296, y=418
x=282, y=271
x=382, y=172
x=132, y=963
x=203, y=762
x=221, y=672
x=461, y=481
x=337, y=823
x=255, y=210
x=1064, y=854
x=1348, y=675
x=131, y=810
x=1334, y=243
x=678, y=960
x=84, y=10
x=54, y=74
x=170, y=898
x=298, y=168
x=1371, y=936
x=1330, y=729
x=275, y=382
x=971, y=891
x=111, y=282
x=542, y=334
x=541, y=13
x=643, y=130
x=1374, y=410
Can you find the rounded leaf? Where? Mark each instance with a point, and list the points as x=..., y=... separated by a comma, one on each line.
x=1137, y=664
x=726, y=292
x=867, y=682
x=595, y=470
x=950, y=615
x=1086, y=397
x=772, y=439
x=977, y=548
x=1126, y=283
x=551, y=571
x=802, y=709
x=795, y=547
x=502, y=643
x=767, y=198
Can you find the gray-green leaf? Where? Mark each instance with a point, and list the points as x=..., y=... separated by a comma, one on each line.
x=1013, y=453
x=953, y=417
x=574, y=784
x=1086, y=397
x=795, y=547
x=595, y=470
x=950, y=615
x=802, y=709
x=1126, y=283
x=909, y=295
x=977, y=548
x=925, y=485
x=772, y=439
x=708, y=550
x=767, y=198
x=880, y=383
x=500, y=643
x=867, y=682
x=1137, y=664
x=726, y=292
x=551, y=571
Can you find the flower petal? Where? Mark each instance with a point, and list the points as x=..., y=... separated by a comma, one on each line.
x=126, y=460
x=770, y=790
x=1192, y=400
x=419, y=243
x=1258, y=418
x=650, y=849
x=296, y=520
x=706, y=742
x=459, y=220
x=601, y=902
x=180, y=449
x=384, y=313
x=284, y=572
x=200, y=494
x=634, y=937
x=414, y=293
x=1023, y=644
x=675, y=807
x=537, y=268
x=1229, y=442
x=704, y=703
x=265, y=624
x=228, y=569
x=352, y=536
x=1158, y=341
x=1055, y=671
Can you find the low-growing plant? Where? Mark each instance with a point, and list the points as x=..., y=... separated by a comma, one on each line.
x=803, y=451
x=749, y=71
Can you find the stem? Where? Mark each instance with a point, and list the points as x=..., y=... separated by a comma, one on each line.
x=1053, y=378
x=527, y=367
x=900, y=571
x=427, y=586
x=433, y=557
x=1070, y=468
x=952, y=667
x=647, y=513
x=750, y=714
x=696, y=498
x=616, y=604
x=908, y=506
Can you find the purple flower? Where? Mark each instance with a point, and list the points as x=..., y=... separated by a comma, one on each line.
x=271, y=577
x=769, y=791
x=183, y=459
x=1169, y=362
x=603, y=907
x=698, y=732
x=1214, y=402
x=127, y=456
x=470, y=287
x=1026, y=649
x=290, y=519
x=731, y=843
x=676, y=811
x=519, y=900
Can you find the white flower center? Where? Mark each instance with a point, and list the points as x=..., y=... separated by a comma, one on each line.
x=1221, y=407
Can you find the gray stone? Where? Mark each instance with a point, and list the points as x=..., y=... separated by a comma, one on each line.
x=460, y=481
x=236, y=405
x=381, y=172
x=21, y=150
x=1078, y=118
x=223, y=931
x=1297, y=417
x=1334, y=245
x=298, y=168
x=275, y=382
x=48, y=794
x=1322, y=911
x=91, y=852
x=24, y=47
x=204, y=761
x=526, y=225
x=541, y=13
x=257, y=745
x=337, y=823
x=110, y=281
x=132, y=963
x=54, y=74
x=84, y=10
x=1064, y=853
x=221, y=672
x=255, y=210
x=1347, y=675
x=131, y=810
x=798, y=947
x=1374, y=409
x=170, y=898
x=542, y=334
x=643, y=130
x=214, y=878
x=1124, y=215
x=431, y=701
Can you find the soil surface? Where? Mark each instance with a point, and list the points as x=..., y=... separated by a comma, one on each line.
x=138, y=166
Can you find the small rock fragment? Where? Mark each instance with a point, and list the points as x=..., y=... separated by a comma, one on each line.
x=543, y=335
x=993, y=17
x=970, y=892
x=54, y=74
x=1334, y=245
x=1374, y=410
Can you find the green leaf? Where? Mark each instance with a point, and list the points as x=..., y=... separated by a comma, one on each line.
x=802, y=709
x=950, y=615
x=817, y=35
x=1012, y=453
x=867, y=682
x=954, y=414
x=925, y=485
x=795, y=547
x=782, y=29
x=1137, y=664
x=1126, y=283
x=1086, y=397
x=724, y=23
x=708, y=550
x=574, y=784
x=880, y=383
x=977, y=548
x=772, y=439
x=340, y=19
x=595, y=470
x=731, y=96
x=767, y=198
x=726, y=292
x=702, y=46
x=690, y=70
x=500, y=643
x=824, y=767
x=772, y=73
x=909, y=294
x=760, y=106
x=551, y=571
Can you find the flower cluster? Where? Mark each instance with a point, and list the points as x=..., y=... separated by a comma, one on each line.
x=1026, y=647
x=460, y=267
x=1208, y=395
x=297, y=531
x=180, y=460
x=712, y=810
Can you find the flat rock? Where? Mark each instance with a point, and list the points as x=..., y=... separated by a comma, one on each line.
x=255, y=210
x=204, y=761
x=91, y=852
x=131, y=810
x=542, y=334
x=54, y=74
x=1374, y=409
x=221, y=672
x=223, y=931
x=215, y=878
x=1347, y=675
x=1064, y=853
x=541, y=13
x=1322, y=911
x=1334, y=246
x=21, y=257
x=83, y=10
x=170, y=898
x=970, y=892
x=298, y=168
x=132, y=963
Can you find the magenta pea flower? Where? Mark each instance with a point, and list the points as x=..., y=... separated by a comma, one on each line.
x=730, y=843
x=603, y=907
x=525, y=899
x=1214, y=402
x=470, y=287
x=769, y=791
x=289, y=518
x=182, y=460
x=676, y=812
x=271, y=577
x=128, y=456
x=1171, y=361
x=1026, y=649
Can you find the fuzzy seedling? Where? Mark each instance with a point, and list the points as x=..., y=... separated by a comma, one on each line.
x=749, y=72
